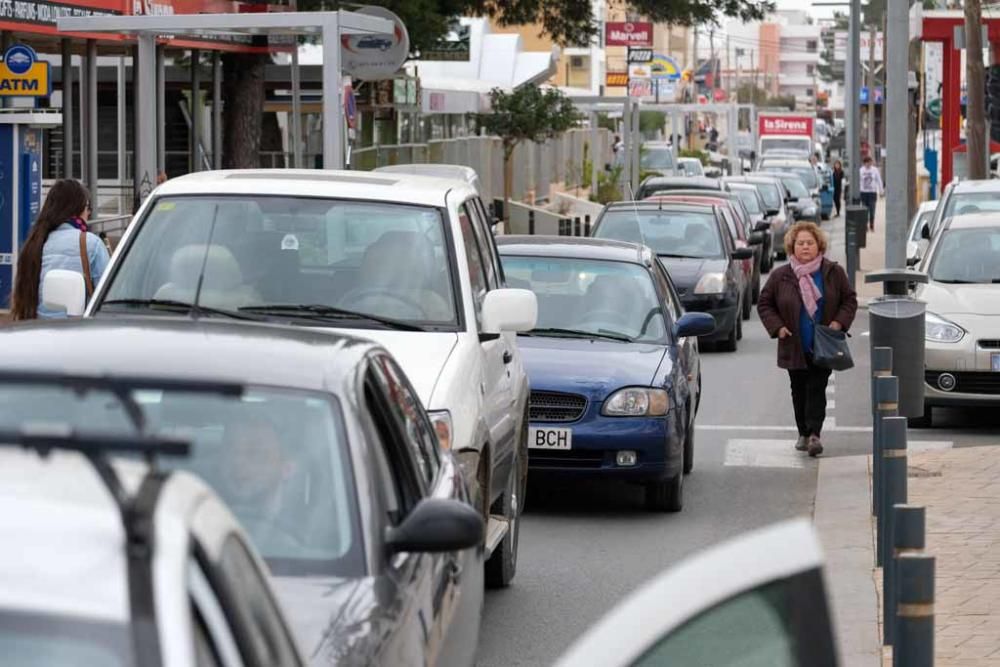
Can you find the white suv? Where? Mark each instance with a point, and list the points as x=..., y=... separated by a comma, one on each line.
x=408, y=261
x=162, y=575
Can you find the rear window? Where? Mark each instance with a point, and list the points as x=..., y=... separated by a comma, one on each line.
x=749, y=199
x=668, y=233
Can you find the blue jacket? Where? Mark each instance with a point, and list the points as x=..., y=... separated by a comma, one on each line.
x=62, y=251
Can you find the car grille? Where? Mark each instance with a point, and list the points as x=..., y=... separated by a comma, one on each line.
x=990, y=344
x=581, y=459
x=549, y=406
x=969, y=382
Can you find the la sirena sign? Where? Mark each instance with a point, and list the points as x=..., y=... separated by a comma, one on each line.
x=637, y=33
x=786, y=125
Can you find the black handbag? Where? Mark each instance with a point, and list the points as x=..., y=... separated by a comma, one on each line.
x=830, y=349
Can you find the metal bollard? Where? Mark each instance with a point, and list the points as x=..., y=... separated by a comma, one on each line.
x=850, y=247
x=893, y=493
x=881, y=367
x=586, y=225
x=914, y=634
x=564, y=227
x=886, y=405
x=576, y=226
x=531, y=221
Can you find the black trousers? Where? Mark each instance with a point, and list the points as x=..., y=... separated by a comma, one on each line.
x=809, y=397
x=870, y=200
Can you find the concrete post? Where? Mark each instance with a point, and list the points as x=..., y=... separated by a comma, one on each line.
x=194, y=110
x=295, y=127
x=121, y=124
x=145, y=117
x=595, y=161
x=851, y=99
x=67, y=108
x=333, y=98
x=216, y=110
x=161, y=111
x=88, y=117
x=627, y=150
x=897, y=105
x=636, y=147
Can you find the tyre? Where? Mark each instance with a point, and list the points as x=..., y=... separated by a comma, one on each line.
x=739, y=329
x=747, y=305
x=689, y=447
x=756, y=289
x=666, y=496
x=502, y=565
x=730, y=344
x=924, y=421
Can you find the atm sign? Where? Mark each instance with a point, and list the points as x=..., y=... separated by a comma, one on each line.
x=22, y=74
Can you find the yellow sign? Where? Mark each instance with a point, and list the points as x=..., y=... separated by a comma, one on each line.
x=22, y=74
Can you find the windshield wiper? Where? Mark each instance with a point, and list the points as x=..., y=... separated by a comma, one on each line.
x=676, y=256
x=957, y=281
x=179, y=307
x=576, y=333
x=326, y=314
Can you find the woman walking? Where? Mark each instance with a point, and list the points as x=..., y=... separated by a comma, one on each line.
x=807, y=291
x=58, y=240
x=838, y=184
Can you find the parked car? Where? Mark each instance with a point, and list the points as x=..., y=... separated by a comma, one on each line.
x=318, y=444
x=738, y=223
x=758, y=599
x=773, y=190
x=964, y=197
x=455, y=172
x=627, y=409
x=962, y=349
x=656, y=184
x=690, y=166
x=802, y=205
x=810, y=177
x=696, y=247
x=657, y=157
x=919, y=232
x=408, y=261
x=753, y=201
x=113, y=562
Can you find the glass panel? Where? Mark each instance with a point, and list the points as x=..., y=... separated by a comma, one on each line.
x=656, y=158
x=967, y=256
x=380, y=259
x=677, y=233
x=749, y=199
x=962, y=203
x=29, y=639
x=278, y=459
x=591, y=296
x=770, y=193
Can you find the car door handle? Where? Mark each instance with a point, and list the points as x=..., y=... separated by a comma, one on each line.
x=507, y=357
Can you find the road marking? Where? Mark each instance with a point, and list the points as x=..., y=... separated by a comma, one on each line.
x=865, y=334
x=829, y=425
x=831, y=404
x=763, y=453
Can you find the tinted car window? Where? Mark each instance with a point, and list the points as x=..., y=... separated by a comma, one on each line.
x=795, y=187
x=29, y=639
x=967, y=256
x=771, y=194
x=680, y=233
x=278, y=459
x=591, y=296
x=230, y=252
x=749, y=199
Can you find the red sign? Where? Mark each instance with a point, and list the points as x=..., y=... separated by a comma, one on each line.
x=720, y=95
x=799, y=125
x=616, y=79
x=628, y=34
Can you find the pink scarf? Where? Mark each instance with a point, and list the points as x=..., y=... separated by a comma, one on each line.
x=807, y=288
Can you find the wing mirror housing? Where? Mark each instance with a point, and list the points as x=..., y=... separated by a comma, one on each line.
x=912, y=261
x=437, y=525
x=756, y=238
x=762, y=226
x=64, y=290
x=509, y=309
x=925, y=232
x=694, y=324
x=743, y=253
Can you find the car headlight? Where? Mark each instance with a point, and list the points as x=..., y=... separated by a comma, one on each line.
x=939, y=330
x=637, y=402
x=441, y=421
x=809, y=211
x=711, y=283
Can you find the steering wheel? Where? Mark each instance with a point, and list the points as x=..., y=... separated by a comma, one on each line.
x=415, y=310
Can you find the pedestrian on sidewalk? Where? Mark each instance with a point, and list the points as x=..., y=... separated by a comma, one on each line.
x=810, y=289
x=59, y=239
x=838, y=184
x=870, y=188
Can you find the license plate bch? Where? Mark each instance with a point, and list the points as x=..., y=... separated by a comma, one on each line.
x=550, y=438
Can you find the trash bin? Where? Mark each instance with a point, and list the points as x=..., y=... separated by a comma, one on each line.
x=857, y=217
x=896, y=320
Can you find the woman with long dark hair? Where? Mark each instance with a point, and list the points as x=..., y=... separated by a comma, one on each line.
x=838, y=184
x=59, y=239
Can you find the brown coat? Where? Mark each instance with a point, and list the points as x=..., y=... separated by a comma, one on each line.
x=780, y=305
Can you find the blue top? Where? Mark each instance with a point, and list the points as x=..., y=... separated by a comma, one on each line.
x=807, y=328
x=62, y=251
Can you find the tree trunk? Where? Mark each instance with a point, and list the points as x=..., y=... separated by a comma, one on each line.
x=975, y=127
x=243, y=92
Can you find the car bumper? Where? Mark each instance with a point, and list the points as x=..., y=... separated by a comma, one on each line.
x=597, y=440
x=725, y=310
x=970, y=364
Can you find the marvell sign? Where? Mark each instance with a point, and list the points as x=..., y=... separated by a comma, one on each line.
x=802, y=125
x=628, y=34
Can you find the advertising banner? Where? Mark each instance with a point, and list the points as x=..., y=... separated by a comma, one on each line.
x=638, y=33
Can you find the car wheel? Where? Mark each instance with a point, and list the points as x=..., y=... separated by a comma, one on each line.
x=756, y=289
x=666, y=496
x=739, y=329
x=747, y=304
x=924, y=421
x=502, y=565
x=689, y=447
x=730, y=344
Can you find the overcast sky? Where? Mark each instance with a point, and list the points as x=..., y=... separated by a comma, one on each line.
x=818, y=12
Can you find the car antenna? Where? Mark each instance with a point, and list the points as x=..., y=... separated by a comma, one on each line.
x=635, y=210
x=195, y=310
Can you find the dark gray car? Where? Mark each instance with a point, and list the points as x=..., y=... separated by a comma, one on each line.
x=326, y=457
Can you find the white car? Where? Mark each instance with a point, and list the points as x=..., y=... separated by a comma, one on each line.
x=408, y=261
x=690, y=166
x=916, y=243
x=164, y=576
x=451, y=171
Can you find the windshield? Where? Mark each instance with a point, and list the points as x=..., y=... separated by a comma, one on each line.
x=807, y=175
x=795, y=187
x=967, y=256
x=692, y=168
x=768, y=144
x=771, y=193
x=590, y=296
x=961, y=203
x=278, y=459
x=656, y=158
x=749, y=198
x=380, y=259
x=33, y=639
x=667, y=232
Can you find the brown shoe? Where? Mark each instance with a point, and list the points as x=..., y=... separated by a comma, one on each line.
x=802, y=444
x=815, y=447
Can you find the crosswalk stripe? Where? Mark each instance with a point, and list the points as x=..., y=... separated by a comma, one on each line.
x=764, y=453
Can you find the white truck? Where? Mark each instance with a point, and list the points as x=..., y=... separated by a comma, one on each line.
x=791, y=133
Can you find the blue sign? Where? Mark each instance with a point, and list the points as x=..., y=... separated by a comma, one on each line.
x=30, y=179
x=863, y=95
x=22, y=74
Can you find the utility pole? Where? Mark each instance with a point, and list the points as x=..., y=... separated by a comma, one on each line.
x=975, y=125
x=851, y=98
x=897, y=107
x=885, y=85
x=871, y=93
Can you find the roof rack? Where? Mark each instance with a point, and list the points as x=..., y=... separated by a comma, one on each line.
x=137, y=510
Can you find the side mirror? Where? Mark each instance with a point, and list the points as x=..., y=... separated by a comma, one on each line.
x=912, y=261
x=743, y=253
x=925, y=232
x=762, y=226
x=509, y=309
x=773, y=212
x=756, y=238
x=64, y=290
x=437, y=525
x=694, y=324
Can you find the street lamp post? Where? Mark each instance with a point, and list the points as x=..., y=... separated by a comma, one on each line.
x=897, y=107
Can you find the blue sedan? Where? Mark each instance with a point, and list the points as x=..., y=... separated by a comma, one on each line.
x=613, y=363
